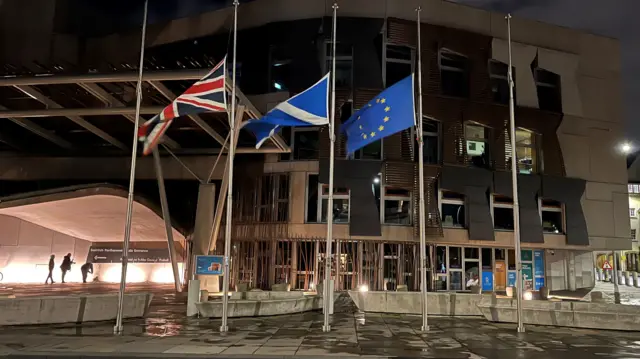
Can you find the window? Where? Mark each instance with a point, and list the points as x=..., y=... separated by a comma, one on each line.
x=452, y=210
x=527, y=152
x=477, y=145
x=454, y=74
x=280, y=69
x=344, y=63
x=312, y=199
x=632, y=212
x=273, y=201
x=634, y=188
x=548, y=88
x=552, y=216
x=487, y=259
x=503, y=213
x=431, y=140
x=397, y=206
x=399, y=63
x=498, y=74
x=633, y=235
x=305, y=143
x=340, y=204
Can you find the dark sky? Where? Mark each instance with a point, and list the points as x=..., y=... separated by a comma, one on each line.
x=614, y=18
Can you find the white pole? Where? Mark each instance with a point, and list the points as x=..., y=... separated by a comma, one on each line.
x=132, y=177
x=327, y=271
x=423, y=240
x=514, y=184
x=232, y=149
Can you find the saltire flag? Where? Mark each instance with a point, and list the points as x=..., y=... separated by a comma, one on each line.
x=390, y=112
x=206, y=95
x=308, y=108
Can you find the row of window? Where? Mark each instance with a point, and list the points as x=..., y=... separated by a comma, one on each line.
x=395, y=207
x=398, y=62
x=305, y=144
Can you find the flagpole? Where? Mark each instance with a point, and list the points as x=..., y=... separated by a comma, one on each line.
x=514, y=182
x=423, y=244
x=332, y=137
x=132, y=177
x=232, y=149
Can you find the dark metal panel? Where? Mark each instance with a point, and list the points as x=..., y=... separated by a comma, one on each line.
x=569, y=191
x=476, y=184
x=357, y=175
x=528, y=192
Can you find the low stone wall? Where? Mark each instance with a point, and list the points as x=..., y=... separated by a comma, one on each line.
x=446, y=304
x=564, y=314
x=262, y=307
x=71, y=309
x=265, y=295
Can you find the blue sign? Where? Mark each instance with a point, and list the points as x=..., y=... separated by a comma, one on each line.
x=538, y=283
x=538, y=263
x=487, y=281
x=511, y=279
x=209, y=265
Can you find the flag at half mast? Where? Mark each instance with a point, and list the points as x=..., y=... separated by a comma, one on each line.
x=308, y=108
x=206, y=95
x=389, y=112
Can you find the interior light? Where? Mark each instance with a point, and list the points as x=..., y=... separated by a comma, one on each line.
x=626, y=148
x=376, y=180
x=528, y=295
x=277, y=86
x=364, y=288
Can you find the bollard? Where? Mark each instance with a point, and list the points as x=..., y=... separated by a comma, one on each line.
x=621, y=278
x=628, y=279
x=600, y=275
x=607, y=276
x=635, y=280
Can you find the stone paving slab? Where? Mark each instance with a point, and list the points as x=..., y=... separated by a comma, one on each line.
x=353, y=335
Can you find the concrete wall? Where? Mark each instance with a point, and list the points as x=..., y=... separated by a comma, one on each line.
x=25, y=249
x=569, y=270
x=137, y=272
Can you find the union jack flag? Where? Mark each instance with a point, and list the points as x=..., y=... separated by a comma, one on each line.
x=206, y=95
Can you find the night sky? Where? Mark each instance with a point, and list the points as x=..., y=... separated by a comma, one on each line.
x=614, y=18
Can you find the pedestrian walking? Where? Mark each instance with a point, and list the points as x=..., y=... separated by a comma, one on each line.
x=52, y=265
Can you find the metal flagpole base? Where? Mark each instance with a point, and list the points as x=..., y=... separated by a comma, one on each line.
x=117, y=329
x=326, y=328
x=224, y=329
x=425, y=328
x=521, y=329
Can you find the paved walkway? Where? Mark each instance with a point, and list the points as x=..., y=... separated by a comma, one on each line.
x=168, y=334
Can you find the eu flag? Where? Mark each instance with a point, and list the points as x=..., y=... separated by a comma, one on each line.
x=390, y=112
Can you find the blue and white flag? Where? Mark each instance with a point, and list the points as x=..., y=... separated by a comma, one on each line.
x=308, y=108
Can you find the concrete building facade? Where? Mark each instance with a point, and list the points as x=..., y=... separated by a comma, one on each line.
x=573, y=181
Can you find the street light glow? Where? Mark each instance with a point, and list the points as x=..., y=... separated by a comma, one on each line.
x=626, y=148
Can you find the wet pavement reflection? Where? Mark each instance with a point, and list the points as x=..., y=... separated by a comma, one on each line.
x=167, y=332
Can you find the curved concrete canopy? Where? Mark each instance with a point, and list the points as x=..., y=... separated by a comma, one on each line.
x=94, y=213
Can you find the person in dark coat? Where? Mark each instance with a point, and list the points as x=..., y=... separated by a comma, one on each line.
x=52, y=265
x=86, y=268
x=66, y=265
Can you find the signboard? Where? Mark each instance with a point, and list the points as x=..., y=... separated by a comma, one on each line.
x=100, y=255
x=525, y=255
x=487, y=280
x=527, y=276
x=538, y=269
x=209, y=265
x=606, y=265
x=511, y=279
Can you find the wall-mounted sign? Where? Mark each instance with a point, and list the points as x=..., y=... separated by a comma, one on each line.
x=209, y=265
x=511, y=279
x=527, y=276
x=538, y=269
x=99, y=254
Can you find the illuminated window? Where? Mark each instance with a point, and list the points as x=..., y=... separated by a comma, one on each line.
x=527, y=152
x=477, y=145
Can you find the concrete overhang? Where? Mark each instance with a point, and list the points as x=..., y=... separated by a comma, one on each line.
x=95, y=213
